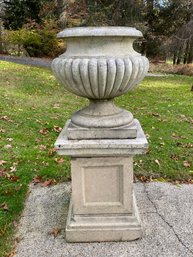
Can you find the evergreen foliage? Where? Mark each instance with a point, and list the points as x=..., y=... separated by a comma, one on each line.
x=18, y=12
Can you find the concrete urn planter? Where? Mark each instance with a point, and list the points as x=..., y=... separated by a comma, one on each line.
x=100, y=64
x=101, y=139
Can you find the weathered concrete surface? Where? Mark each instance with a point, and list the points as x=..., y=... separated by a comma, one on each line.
x=166, y=212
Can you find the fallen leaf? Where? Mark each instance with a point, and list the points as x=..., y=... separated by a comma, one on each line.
x=15, y=224
x=3, y=230
x=13, y=177
x=144, y=179
x=174, y=135
x=56, y=106
x=186, y=145
x=2, y=162
x=15, y=163
x=8, y=146
x=55, y=232
x=2, y=130
x=42, y=147
x=174, y=157
x=57, y=129
x=51, y=151
x=38, y=121
x=45, y=163
x=157, y=162
x=37, y=179
x=9, y=139
x=155, y=114
x=59, y=160
x=44, y=131
x=48, y=182
x=2, y=172
x=4, y=206
x=187, y=164
x=162, y=144
x=134, y=179
x=17, y=188
x=147, y=135
x=12, y=254
x=160, y=179
x=38, y=140
x=5, y=118
x=13, y=169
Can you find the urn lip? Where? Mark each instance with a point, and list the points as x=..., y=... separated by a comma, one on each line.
x=111, y=31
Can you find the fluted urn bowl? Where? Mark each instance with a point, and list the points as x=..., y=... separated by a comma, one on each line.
x=100, y=64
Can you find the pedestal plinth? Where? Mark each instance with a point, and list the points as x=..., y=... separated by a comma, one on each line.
x=103, y=206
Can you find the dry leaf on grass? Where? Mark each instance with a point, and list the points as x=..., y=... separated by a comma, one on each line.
x=9, y=139
x=51, y=151
x=175, y=136
x=13, y=169
x=13, y=177
x=7, y=146
x=48, y=182
x=44, y=131
x=5, y=118
x=2, y=172
x=3, y=230
x=37, y=179
x=174, y=157
x=187, y=164
x=4, y=206
x=157, y=162
x=57, y=129
x=59, y=160
x=144, y=179
x=15, y=224
x=56, y=106
x=12, y=254
x=42, y=147
x=2, y=162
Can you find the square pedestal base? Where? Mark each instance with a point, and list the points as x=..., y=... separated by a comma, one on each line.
x=103, y=206
x=74, y=132
x=106, y=227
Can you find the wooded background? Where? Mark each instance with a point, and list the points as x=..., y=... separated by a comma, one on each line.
x=167, y=25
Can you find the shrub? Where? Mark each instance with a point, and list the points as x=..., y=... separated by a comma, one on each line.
x=36, y=40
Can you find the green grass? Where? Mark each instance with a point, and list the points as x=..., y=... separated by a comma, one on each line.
x=32, y=100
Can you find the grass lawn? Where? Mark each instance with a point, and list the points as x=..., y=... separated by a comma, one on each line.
x=35, y=107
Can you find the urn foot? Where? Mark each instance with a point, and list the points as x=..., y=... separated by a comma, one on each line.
x=102, y=119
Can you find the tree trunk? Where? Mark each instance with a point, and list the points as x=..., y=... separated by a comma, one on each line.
x=186, y=52
x=190, y=55
x=174, y=58
x=179, y=56
x=1, y=39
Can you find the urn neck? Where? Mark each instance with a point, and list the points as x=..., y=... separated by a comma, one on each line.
x=100, y=46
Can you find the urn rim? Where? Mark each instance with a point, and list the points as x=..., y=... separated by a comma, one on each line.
x=111, y=31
